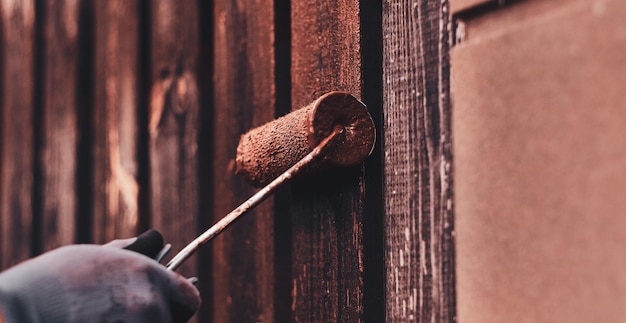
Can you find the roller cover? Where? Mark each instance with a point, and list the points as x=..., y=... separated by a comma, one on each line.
x=269, y=150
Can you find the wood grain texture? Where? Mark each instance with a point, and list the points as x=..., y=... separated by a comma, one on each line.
x=419, y=251
x=325, y=49
x=59, y=134
x=244, y=91
x=115, y=201
x=327, y=211
x=173, y=124
x=16, y=137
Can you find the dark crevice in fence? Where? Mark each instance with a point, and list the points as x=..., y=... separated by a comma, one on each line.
x=3, y=257
x=38, y=99
x=282, y=216
x=282, y=48
x=143, y=110
x=205, y=153
x=373, y=239
x=2, y=100
x=85, y=123
x=483, y=9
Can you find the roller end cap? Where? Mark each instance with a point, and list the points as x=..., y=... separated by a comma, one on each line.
x=342, y=109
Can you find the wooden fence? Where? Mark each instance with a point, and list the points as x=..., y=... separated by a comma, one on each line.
x=123, y=115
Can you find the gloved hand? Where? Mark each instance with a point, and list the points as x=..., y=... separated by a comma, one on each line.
x=90, y=283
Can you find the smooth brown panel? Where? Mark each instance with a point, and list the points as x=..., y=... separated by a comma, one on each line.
x=115, y=120
x=244, y=90
x=419, y=250
x=540, y=165
x=16, y=137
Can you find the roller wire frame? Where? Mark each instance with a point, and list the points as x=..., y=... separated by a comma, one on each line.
x=254, y=200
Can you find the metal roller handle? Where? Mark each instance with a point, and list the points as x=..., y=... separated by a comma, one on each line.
x=253, y=201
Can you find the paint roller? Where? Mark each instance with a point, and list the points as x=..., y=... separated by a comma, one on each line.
x=336, y=130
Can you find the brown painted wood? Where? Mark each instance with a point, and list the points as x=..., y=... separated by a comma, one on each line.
x=419, y=250
x=320, y=263
x=327, y=211
x=115, y=201
x=59, y=113
x=244, y=90
x=16, y=137
x=173, y=124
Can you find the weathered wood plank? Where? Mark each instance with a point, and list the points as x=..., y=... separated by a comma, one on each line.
x=59, y=112
x=115, y=201
x=419, y=253
x=244, y=91
x=16, y=137
x=327, y=211
x=173, y=124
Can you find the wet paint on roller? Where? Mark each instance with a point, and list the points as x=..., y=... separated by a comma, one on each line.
x=267, y=151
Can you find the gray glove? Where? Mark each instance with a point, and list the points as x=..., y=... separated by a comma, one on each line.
x=90, y=283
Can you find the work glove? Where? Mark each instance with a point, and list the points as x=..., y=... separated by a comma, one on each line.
x=91, y=283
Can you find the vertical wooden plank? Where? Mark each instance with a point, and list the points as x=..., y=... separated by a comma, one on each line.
x=59, y=133
x=327, y=211
x=419, y=254
x=115, y=202
x=325, y=49
x=244, y=98
x=16, y=138
x=173, y=124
